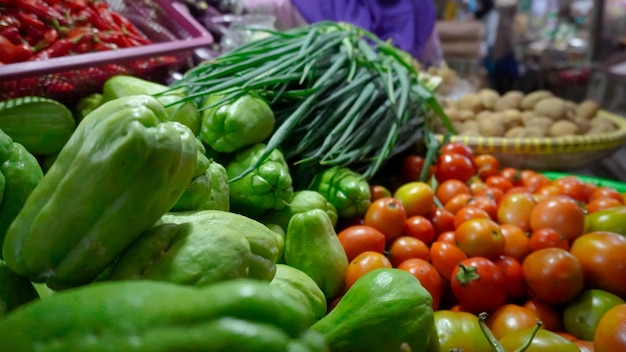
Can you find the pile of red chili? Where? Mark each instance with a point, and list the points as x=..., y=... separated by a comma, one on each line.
x=43, y=29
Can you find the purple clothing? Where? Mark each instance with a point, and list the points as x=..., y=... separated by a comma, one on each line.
x=408, y=23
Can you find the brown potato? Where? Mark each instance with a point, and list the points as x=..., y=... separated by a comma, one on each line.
x=510, y=100
x=492, y=126
x=466, y=114
x=512, y=118
x=587, y=109
x=470, y=101
x=541, y=122
x=515, y=132
x=488, y=97
x=554, y=108
x=531, y=99
x=563, y=128
x=452, y=113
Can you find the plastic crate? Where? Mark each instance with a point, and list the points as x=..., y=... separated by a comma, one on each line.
x=173, y=31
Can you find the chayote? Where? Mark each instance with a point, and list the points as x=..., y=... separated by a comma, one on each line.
x=302, y=201
x=301, y=287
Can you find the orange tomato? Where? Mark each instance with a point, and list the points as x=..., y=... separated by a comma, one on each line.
x=480, y=238
x=388, y=216
x=448, y=189
x=515, y=209
x=357, y=239
x=363, y=264
x=516, y=242
x=610, y=335
x=559, y=213
x=406, y=247
x=419, y=227
x=511, y=317
x=416, y=197
x=468, y=213
x=427, y=275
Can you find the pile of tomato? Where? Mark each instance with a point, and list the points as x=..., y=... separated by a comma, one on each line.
x=503, y=241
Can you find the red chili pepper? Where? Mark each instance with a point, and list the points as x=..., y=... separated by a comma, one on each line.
x=77, y=5
x=114, y=37
x=7, y=21
x=124, y=24
x=61, y=47
x=23, y=52
x=7, y=50
x=96, y=19
x=41, y=10
x=12, y=34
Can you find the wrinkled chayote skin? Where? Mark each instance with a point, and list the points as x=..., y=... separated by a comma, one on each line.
x=302, y=201
x=122, y=169
x=301, y=287
x=345, y=189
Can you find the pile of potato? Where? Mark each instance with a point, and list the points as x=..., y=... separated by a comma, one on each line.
x=515, y=114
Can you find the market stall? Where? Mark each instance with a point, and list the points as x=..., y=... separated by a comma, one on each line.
x=211, y=182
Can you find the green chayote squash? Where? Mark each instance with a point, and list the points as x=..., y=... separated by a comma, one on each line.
x=242, y=315
x=345, y=189
x=301, y=201
x=122, y=169
x=15, y=290
x=301, y=287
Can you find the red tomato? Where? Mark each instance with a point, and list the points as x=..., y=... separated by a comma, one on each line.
x=514, y=276
x=445, y=257
x=388, y=216
x=448, y=189
x=427, y=275
x=421, y=228
x=480, y=238
x=547, y=238
x=515, y=209
x=533, y=182
x=457, y=202
x=412, y=166
x=513, y=174
x=584, y=346
x=610, y=335
x=560, y=213
x=478, y=285
x=487, y=204
x=486, y=165
x=405, y=247
x=363, y=264
x=357, y=239
x=550, y=190
x=467, y=213
x=510, y=317
x=606, y=192
x=477, y=186
x=447, y=236
x=493, y=193
x=416, y=197
x=549, y=315
x=499, y=182
x=573, y=187
x=553, y=275
x=454, y=166
x=442, y=220
x=598, y=204
x=458, y=148
x=516, y=242
x=603, y=259
x=379, y=191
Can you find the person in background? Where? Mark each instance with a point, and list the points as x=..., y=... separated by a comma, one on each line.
x=409, y=24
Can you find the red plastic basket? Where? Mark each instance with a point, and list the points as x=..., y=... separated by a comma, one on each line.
x=176, y=37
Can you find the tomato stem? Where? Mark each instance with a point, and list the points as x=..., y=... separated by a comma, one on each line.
x=493, y=342
x=529, y=341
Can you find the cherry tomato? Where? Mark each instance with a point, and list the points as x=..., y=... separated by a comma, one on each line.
x=457, y=202
x=606, y=192
x=513, y=174
x=467, y=213
x=445, y=257
x=510, y=317
x=581, y=316
x=427, y=275
x=379, y=191
x=447, y=236
x=548, y=314
x=416, y=197
x=573, y=187
x=363, y=264
x=480, y=238
x=458, y=331
x=421, y=228
x=486, y=165
x=357, y=239
x=454, y=165
x=560, y=213
x=603, y=259
x=610, y=333
x=412, y=166
x=602, y=204
x=388, y=216
x=543, y=341
x=511, y=268
x=448, y=189
x=546, y=191
x=553, y=275
x=584, y=345
x=547, y=238
x=458, y=148
x=405, y=247
x=500, y=182
x=442, y=220
x=516, y=242
x=477, y=186
x=493, y=193
x=535, y=182
x=478, y=285
x=515, y=209
x=487, y=204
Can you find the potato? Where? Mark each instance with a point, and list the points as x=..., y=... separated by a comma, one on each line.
x=583, y=124
x=510, y=100
x=466, y=114
x=452, y=113
x=483, y=114
x=512, y=118
x=563, y=128
x=470, y=101
x=554, y=108
x=587, y=109
x=541, y=122
x=488, y=97
x=527, y=115
x=469, y=126
x=492, y=126
x=531, y=99
x=515, y=132
x=602, y=120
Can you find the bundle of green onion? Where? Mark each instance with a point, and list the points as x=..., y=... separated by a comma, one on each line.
x=341, y=96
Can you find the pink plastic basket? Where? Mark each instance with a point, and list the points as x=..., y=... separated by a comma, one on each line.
x=177, y=40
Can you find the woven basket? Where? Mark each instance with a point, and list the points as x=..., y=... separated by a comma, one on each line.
x=555, y=153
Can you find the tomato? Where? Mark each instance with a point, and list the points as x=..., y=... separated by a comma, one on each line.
x=412, y=166
x=478, y=285
x=603, y=259
x=416, y=197
x=513, y=174
x=486, y=165
x=442, y=220
x=458, y=148
x=454, y=165
x=447, y=236
x=500, y=182
x=458, y=331
x=363, y=264
x=516, y=242
x=493, y=193
x=547, y=238
x=515, y=209
x=445, y=257
x=510, y=317
x=581, y=316
x=477, y=186
x=468, y=213
x=511, y=268
x=357, y=239
x=553, y=275
x=560, y=213
x=602, y=204
x=388, y=216
x=379, y=191
x=546, y=191
x=448, y=189
x=487, y=204
x=535, y=181
x=610, y=333
x=573, y=187
x=457, y=202
x=421, y=228
x=480, y=238
x=427, y=275
x=606, y=192
x=584, y=345
x=405, y=247
x=543, y=341
x=548, y=314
